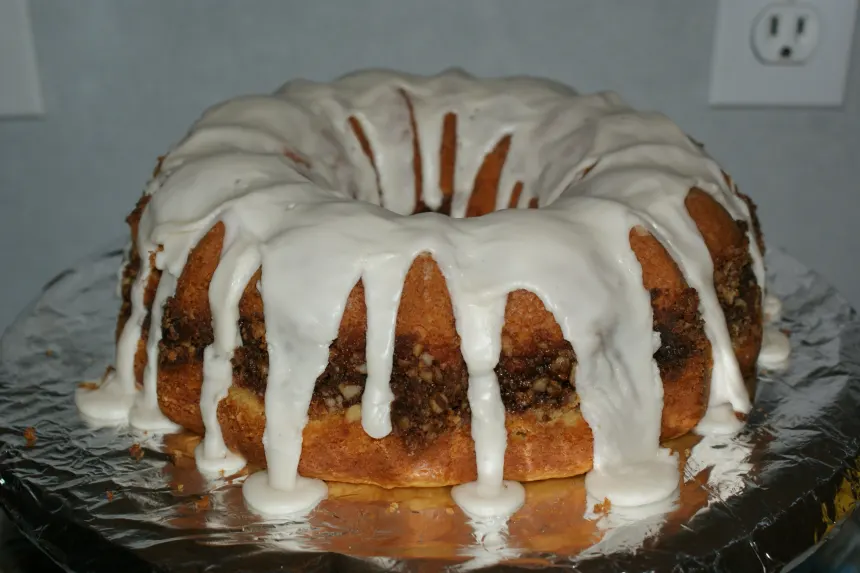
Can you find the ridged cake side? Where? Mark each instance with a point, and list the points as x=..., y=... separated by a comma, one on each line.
x=414, y=281
x=431, y=443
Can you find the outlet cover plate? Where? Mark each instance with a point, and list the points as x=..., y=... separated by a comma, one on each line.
x=20, y=92
x=739, y=78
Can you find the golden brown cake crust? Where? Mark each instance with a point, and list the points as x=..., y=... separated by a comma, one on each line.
x=543, y=442
x=431, y=443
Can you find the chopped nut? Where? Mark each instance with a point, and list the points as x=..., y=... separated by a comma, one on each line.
x=392, y=507
x=417, y=349
x=258, y=331
x=30, y=436
x=412, y=373
x=438, y=375
x=136, y=451
x=561, y=365
x=438, y=403
x=202, y=503
x=349, y=391
x=404, y=423
x=602, y=507
x=353, y=413
x=427, y=359
x=330, y=403
x=426, y=375
x=540, y=384
x=572, y=377
x=553, y=388
x=361, y=368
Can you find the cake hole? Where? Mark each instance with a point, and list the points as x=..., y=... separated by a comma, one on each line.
x=486, y=186
x=515, y=195
x=447, y=161
x=360, y=135
x=417, y=167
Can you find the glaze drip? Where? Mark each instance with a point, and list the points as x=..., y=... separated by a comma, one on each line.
x=321, y=207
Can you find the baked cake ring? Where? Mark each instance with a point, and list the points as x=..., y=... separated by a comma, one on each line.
x=430, y=281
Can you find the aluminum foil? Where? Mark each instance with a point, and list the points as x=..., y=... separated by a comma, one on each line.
x=120, y=500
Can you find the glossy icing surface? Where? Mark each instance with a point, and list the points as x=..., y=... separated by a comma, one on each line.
x=294, y=188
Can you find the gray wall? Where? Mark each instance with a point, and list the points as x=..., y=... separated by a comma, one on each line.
x=123, y=79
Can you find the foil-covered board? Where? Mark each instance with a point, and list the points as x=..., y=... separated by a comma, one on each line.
x=121, y=500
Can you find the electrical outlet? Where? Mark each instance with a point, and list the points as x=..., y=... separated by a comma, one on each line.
x=782, y=52
x=785, y=34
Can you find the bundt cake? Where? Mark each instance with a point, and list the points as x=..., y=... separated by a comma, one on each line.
x=430, y=281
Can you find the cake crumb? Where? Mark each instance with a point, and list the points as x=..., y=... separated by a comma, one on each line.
x=687, y=452
x=49, y=353
x=449, y=510
x=30, y=436
x=136, y=451
x=392, y=507
x=88, y=386
x=201, y=503
x=109, y=495
x=602, y=508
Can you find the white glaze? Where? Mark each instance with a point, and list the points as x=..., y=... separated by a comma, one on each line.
x=146, y=414
x=775, y=349
x=267, y=500
x=771, y=308
x=112, y=401
x=107, y=405
x=719, y=421
x=322, y=215
x=240, y=259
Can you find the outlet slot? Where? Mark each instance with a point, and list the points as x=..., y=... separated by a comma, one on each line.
x=785, y=34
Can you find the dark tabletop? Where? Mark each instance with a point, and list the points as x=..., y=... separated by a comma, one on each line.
x=838, y=553
x=18, y=555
